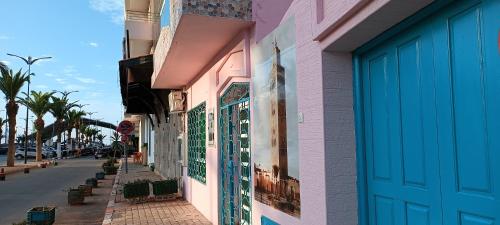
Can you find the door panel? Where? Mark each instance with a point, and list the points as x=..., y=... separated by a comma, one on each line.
x=432, y=120
x=400, y=131
x=468, y=113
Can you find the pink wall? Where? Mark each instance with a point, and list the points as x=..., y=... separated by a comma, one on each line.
x=231, y=68
x=324, y=85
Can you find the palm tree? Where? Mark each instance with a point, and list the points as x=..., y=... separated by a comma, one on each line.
x=59, y=108
x=3, y=67
x=2, y=123
x=95, y=132
x=101, y=137
x=10, y=84
x=115, y=143
x=83, y=133
x=73, y=118
x=39, y=103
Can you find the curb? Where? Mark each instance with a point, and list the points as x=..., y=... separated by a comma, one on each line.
x=108, y=216
x=20, y=167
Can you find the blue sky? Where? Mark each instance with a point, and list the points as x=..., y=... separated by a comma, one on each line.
x=84, y=38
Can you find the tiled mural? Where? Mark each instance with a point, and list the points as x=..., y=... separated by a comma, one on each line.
x=238, y=9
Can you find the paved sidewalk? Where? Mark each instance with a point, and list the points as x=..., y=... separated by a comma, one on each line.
x=174, y=212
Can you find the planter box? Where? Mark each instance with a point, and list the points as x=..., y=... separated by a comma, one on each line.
x=26, y=170
x=41, y=215
x=91, y=182
x=75, y=197
x=86, y=189
x=165, y=187
x=137, y=189
x=99, y=176
x=110, y=170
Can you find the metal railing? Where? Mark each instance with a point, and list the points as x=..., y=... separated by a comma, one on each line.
x=142, y=16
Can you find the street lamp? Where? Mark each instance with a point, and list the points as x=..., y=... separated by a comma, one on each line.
x=90, y=114
x=30, y=60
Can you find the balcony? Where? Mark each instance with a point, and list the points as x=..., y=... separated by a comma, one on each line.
x=198, y=31
x=142, y=24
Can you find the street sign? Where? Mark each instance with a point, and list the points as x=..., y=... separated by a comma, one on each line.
x=125, y=127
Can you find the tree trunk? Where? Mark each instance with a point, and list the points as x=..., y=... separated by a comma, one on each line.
x=38, y=145
x=69, y=142
x=58, y=143
x=77, y=138
x=12, y=108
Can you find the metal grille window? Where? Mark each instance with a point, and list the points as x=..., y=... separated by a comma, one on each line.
x=196, y=143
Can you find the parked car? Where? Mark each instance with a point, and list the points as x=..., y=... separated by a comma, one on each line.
x=31, y=153
x=3, y=149
x=87, y=151
x=105, y=152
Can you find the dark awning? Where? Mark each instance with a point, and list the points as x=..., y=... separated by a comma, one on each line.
x=135, y=85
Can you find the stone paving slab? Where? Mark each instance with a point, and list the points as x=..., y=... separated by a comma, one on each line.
x=173, y=212
x=91, y=211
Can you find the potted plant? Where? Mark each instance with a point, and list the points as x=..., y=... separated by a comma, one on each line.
x=136, y=191
x=41, y=215
x=110, y=170
x=86, y=189
x=91, y=182
x=165, y=188
x=75, y=197
x=152, y=167
x=99, y=175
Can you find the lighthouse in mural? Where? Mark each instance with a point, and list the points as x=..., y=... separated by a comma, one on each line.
x=277, y=123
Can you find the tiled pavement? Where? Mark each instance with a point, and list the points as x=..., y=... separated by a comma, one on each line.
x=173, y=212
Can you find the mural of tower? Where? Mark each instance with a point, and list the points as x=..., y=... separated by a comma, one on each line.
x=278, y=118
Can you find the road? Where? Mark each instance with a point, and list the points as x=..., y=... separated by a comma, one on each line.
x=42, y=187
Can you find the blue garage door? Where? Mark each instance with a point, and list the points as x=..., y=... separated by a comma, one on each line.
x=431, y=120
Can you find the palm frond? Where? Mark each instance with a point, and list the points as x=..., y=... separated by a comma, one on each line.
x=39, y=102
x=11, y=83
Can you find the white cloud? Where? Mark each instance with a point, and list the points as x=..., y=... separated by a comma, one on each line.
x=113, y=8
x=70, y=71
x=60, y=80
x=4, y=37
x=86, y=80
x=93, y=44
x=6, y=62
x=49, y=74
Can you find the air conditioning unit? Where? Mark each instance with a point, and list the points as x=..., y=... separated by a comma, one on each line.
x=176, y=101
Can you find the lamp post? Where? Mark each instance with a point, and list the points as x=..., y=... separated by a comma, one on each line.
x=30, y=60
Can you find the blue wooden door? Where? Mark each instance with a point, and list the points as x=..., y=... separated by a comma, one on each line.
x=431, y=101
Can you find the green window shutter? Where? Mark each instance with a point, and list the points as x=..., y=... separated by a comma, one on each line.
x=197, y=143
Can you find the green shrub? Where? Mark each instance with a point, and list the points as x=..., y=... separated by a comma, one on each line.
x=136, y=189
x=110, y=170
x=165, y=187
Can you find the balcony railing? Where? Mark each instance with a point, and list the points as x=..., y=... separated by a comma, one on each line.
x=142, y=16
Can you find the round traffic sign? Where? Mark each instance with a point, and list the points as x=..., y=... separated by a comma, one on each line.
x=125, y=127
